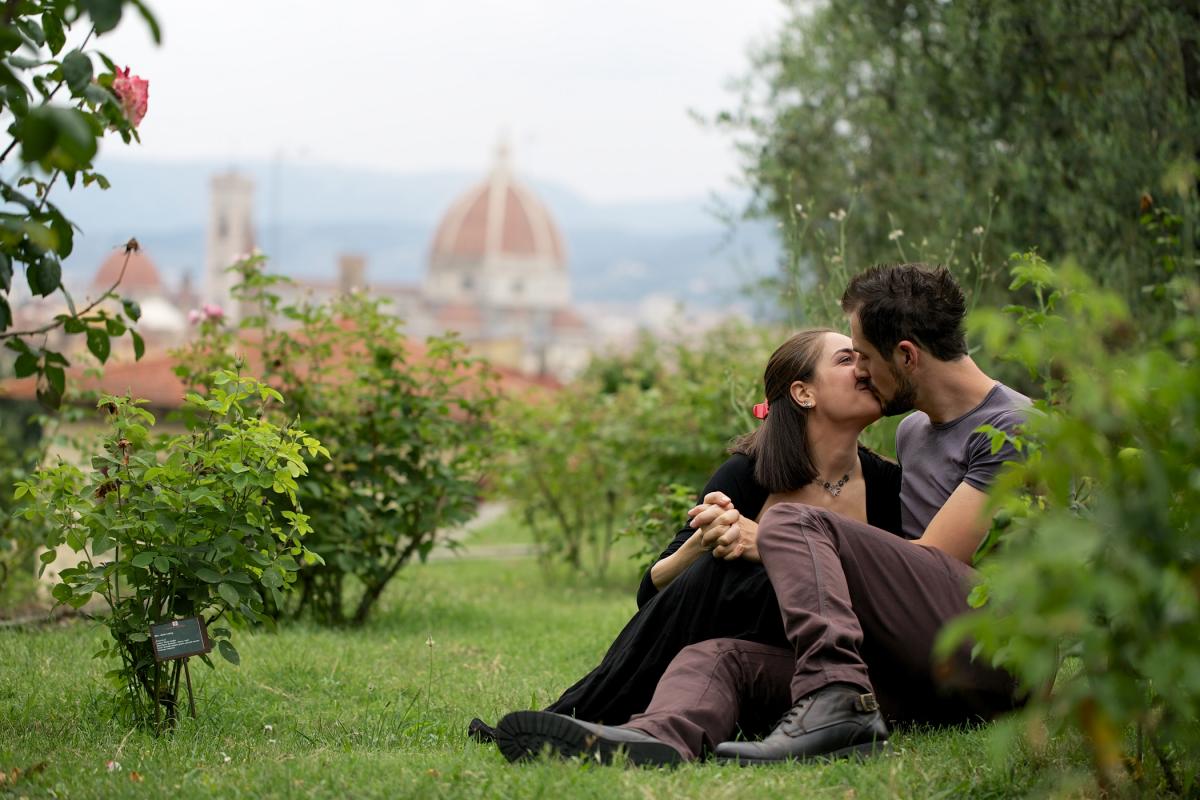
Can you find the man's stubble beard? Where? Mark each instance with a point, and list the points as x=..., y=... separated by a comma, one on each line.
x=903, y=400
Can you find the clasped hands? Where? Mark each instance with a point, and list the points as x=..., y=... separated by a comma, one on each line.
x=723, y=529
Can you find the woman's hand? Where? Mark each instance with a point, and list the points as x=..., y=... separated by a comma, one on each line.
x=715, y=506
x=723, y=530
x=740, y=541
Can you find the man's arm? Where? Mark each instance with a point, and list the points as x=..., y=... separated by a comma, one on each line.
x=960, y=525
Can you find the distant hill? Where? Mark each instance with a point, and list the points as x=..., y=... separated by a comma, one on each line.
x=307, y=215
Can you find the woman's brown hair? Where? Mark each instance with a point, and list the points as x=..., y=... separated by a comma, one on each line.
x=779, y=446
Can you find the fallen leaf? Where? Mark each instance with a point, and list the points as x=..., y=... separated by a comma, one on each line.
x=135, y=776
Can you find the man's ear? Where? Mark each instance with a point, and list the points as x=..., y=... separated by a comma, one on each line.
x=907, y=356
x=802, y=394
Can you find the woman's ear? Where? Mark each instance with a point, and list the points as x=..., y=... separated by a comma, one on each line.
x=802, y=394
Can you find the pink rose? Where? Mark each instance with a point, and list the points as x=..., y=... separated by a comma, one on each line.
x=212, y=311
x=194, y=316
x=134, y=94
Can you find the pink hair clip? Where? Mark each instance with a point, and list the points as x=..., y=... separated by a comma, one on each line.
x=761, y=409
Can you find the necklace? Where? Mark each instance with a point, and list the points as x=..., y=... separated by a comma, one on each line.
x=835, y=488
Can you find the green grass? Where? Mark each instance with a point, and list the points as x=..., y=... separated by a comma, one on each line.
x=380, y=712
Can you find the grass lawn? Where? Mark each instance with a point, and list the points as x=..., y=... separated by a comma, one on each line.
x=382, y=711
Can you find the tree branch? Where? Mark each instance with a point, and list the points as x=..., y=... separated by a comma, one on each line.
x=131, y=247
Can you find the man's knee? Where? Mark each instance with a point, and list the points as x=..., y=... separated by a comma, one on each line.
x=792, y=522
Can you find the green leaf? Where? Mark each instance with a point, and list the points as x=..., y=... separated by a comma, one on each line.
x=64, y=234
x=52, y=27
x=48, y=556
x=139, y=346
x=57, y=137
x=132, y=309
x=77, y=71
x=105, y=14
x=229, y=594
x=162, y=564
x=5, y=315
x=44, y=276
x=9, y=39
x=151, y=22
x=144, y=560
x=229, y=652
x=97, y=342
x=74, y=325
x=56, y=378
x=25, y=365
x=114, y=327
x=208, y=575
x=6, y=272
x=30, y=28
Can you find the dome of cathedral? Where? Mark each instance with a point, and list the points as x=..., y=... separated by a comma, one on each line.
x=141, y=276
x=498, y=218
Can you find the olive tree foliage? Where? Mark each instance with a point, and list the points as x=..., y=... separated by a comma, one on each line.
x=926, y=129
x=56, y=103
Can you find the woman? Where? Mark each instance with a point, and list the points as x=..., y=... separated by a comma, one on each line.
x=805, y=451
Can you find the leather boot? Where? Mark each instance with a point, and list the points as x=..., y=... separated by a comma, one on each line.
x=835, y=721
x=522, y=735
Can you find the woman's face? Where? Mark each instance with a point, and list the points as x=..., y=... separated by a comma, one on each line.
x=838, y=393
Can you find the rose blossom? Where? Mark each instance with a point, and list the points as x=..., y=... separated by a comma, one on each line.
x=194, y=316
x=212, y=311
x=134, y=93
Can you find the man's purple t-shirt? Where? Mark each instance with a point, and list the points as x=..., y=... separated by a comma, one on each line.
x=936, y=458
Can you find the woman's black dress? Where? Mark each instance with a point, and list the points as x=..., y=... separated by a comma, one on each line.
x=710, y=599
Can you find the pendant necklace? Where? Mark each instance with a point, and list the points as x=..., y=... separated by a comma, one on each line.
x=835, y=488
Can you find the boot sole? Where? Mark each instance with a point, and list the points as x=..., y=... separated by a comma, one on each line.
x=856, y=751
x=524, y=735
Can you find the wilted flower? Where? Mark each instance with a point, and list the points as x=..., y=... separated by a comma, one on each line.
x=894, y=235
x=977, y=230
x=838, y=216
x=133, y=93
x=225, y=759
x=112, y=765
x=194, y=316
x=429, y=642
x=268, y=728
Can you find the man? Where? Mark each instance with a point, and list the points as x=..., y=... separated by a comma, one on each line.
x=861, y=607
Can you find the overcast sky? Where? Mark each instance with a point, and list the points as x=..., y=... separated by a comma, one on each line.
x=593, y=94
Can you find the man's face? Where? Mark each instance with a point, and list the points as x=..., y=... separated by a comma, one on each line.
x=895, y=391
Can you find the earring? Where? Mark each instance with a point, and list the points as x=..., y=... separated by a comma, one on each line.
x=806, y=404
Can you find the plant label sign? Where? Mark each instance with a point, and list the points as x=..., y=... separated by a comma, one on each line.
x=179, y=638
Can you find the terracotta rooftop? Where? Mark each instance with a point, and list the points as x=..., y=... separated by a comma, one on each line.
x=153, y=379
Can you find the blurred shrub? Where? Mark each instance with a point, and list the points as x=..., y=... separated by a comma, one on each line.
x=407, y=425
x=1096, y=555
x=584, y=461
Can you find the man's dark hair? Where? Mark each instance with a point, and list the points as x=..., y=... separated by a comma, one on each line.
x=917, y=302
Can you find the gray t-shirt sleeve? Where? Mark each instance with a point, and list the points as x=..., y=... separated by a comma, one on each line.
x=982, y=464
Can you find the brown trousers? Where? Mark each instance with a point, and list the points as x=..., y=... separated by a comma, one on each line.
x=860, y=606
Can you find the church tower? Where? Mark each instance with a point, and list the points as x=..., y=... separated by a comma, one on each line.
x=230, y=236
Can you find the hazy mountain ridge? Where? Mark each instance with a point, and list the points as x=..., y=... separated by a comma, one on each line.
x=307, y=215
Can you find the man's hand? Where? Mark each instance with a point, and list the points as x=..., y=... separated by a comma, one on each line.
x=740, y=541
